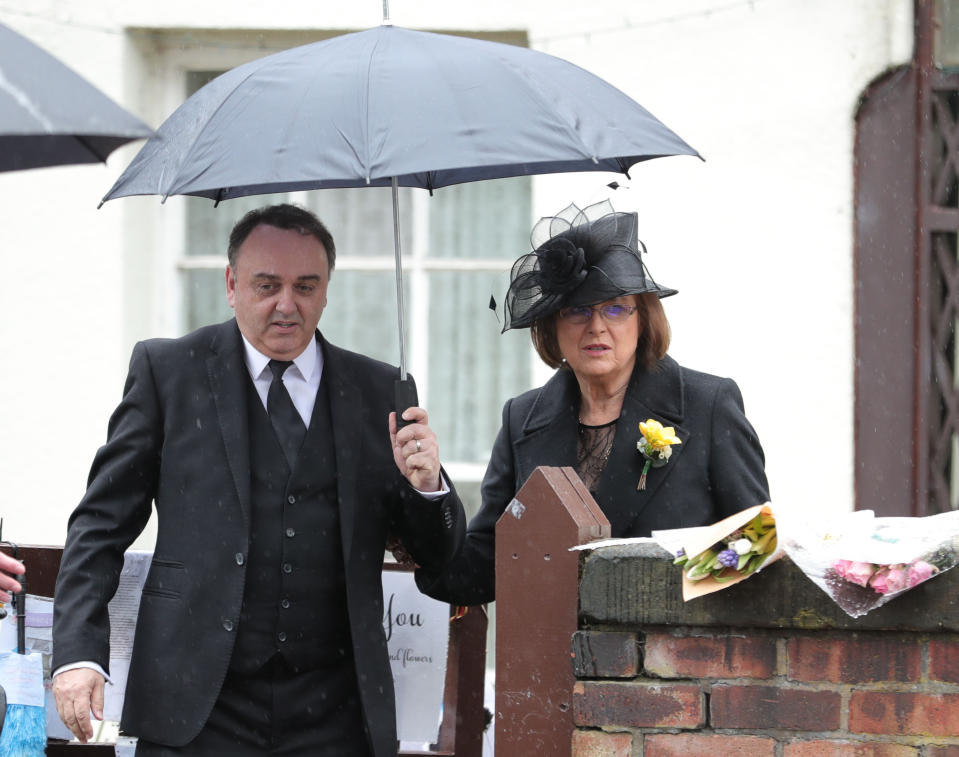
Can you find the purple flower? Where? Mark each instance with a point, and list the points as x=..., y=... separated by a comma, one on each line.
x=728, y=558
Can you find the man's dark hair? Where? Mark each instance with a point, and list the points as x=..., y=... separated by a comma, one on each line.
x=283, y=216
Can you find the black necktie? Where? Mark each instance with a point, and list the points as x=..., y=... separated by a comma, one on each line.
x=287, y=423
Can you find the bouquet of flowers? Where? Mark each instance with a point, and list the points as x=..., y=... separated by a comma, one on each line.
x=725, y=553
x=862, y=561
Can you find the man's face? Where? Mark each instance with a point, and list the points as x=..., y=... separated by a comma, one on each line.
x=278, y=289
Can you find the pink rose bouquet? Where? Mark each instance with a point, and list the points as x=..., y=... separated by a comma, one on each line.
x=885, y=579
x=862, y=561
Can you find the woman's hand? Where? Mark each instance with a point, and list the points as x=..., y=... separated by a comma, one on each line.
x=416, y=450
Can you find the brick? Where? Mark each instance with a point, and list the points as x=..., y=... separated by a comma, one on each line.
x=854, y=658
x=773, y=707
x=720, y=656
x=601, y=744
x=904, y=713
x=944, y=660
x=942, y=751
x=707, y=745
x=605, y=654
x=827, y=748
x=638, y=705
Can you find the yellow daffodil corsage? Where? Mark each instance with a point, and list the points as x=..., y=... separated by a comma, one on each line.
x=655, y=446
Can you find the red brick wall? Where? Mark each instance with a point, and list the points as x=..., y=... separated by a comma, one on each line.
x=685, y=691
x=770, y=667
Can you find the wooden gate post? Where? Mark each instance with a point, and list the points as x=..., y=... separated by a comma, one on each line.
x=537, y=599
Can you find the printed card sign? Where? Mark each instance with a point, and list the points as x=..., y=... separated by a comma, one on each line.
x=22, y=676
x=417, y=632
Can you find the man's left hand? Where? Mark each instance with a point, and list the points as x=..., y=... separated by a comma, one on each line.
x=416, y=450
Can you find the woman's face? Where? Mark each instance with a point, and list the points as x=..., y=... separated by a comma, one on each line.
x=600, y=349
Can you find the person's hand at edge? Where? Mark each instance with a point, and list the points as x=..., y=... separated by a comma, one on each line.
x=9, y=568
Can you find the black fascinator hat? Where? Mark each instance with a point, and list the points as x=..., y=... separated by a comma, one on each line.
x=580, y=257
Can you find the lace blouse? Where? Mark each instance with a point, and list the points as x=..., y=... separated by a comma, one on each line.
x=592, y=452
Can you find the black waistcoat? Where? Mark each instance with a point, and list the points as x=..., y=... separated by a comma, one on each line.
x=294, y=600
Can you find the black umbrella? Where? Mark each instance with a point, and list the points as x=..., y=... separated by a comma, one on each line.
x=393, y=107
x=50, y=115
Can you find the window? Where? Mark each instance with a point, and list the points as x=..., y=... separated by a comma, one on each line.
x=947, y=33
x=907, y=277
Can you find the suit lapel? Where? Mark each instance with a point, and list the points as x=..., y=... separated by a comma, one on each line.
x=228, y=376
x=347, y=415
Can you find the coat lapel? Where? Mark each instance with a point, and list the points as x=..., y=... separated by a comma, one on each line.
x=550, y=429
x=348, y=414
x=228, y=376
x=656, y=394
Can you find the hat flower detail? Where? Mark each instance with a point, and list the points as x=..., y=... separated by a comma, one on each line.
x=655, y=445
x=580, y=256
x=562, y=266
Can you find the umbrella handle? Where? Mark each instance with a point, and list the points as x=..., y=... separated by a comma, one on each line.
x=404, y=395
x=20, y=603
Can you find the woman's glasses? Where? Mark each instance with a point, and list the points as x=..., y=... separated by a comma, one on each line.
x=613, y=313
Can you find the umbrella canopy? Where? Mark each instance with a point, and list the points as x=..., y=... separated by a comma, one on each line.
x=361, y=109
x=50, y=115
x=393, y=107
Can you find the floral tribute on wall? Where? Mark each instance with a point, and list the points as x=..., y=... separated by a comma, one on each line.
x=725, y=553
x=859, y=560
x=862, y=561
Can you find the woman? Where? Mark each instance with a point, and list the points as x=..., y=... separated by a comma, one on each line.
x=594, y=314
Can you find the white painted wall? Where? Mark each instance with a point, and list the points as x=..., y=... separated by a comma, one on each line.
x=758, y=239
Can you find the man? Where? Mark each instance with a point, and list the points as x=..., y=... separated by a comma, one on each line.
x=276, y=486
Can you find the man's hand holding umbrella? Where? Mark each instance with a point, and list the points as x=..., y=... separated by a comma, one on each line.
x=416, y=450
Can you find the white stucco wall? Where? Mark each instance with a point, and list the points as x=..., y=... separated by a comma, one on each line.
x=758, y=239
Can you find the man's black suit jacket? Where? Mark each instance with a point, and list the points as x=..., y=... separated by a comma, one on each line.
x=180, y=438
x=718, y=469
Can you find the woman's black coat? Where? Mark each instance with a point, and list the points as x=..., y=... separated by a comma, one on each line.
x=718, y=469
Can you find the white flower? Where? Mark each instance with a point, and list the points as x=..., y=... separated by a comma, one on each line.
x=741, y=547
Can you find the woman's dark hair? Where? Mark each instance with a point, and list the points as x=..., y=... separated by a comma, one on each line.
x=284, y=216
x=650, y=348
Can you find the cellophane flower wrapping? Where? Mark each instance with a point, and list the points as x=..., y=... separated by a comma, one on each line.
x=862, y=562
x=723, y=554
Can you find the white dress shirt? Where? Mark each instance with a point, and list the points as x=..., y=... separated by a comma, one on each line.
x=302, y=379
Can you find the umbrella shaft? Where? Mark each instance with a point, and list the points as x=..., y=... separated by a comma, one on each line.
x=20, y=604
x=399, y=275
